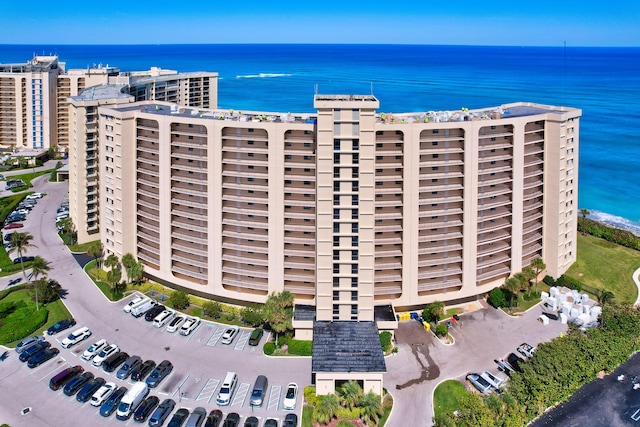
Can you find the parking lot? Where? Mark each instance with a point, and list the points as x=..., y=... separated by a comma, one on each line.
x=200, y=360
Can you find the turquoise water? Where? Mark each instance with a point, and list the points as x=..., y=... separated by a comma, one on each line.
x=603, y=82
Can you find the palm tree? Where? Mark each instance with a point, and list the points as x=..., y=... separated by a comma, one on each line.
x=512, y=286
x=96, y=251
x=21, y=243
x=127, y=262
x=113, y=276
x=370, y=407
x=529, y=273
x=351, y=393
x=584, y=213
x=112, y=261
x=604, y=297
x=327, y=408
x=538, y=266
x=135, y=271
x=39, y=267
x=522, y=280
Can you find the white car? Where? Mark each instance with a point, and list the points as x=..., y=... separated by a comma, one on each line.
x=176, y=323
x=104, y=354
x=189, y=325
x=127, y=307
x=94, y=349
x=76, y=336
x=103, y=394
x=290, y=397
x=229, y=334
x=163, y=318
x=34, y=196
x=526, y=349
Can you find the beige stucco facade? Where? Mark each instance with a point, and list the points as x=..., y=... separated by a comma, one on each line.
x=345, y=208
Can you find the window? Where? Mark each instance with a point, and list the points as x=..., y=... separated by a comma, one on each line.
x=336, y=295
x=354, y=295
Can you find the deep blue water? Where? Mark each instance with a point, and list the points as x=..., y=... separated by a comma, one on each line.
x=603, y=82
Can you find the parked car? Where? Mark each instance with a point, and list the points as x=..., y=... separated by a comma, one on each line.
x=176, y=323
x=104, y=354
x=89, y=388
x=504, y=366
x=136, y=300
x=214, y=419
x=271, y=423
x=42, y=356
x=103, y=393
x=64, y=376
x=161, y=413
x=526, y=349
x=7, y=236
x=479, y=383
x=550, y=316
x=77, y=382
x=14, y=281
x=159, y=373
x=34, y=349
x=179, y=418
x=515, y=361
x=34, y=196
x=145, y=409
x=256, y=336
x=232, y=420
x=76, y=336
x=291, y=420
x=151, y=314
x=61, y=326
x=290, y=397
x=189, y=325
x=197, y=417
x=18, y=260
x=251, y=422
x=143, y=370
x=229, y=335
x=495, y=381
x=113, y=361
x=111, y=404
x=27, y=342
x=129, y=365
x=94, y=349
x=13, y=225
x=163, y=318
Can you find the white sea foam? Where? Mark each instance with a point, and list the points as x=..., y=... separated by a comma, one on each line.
x=263, y=75
x=615, y=221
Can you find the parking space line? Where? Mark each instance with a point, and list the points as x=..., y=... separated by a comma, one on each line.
x=58, y=368
x=208, y=390
x=274, y=397
x=215, y=336
x=181, y=384
x=194, y=333
x=242, y=340
x=241, y=394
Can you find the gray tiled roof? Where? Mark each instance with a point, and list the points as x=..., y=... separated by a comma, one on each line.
x=347, y=346
x=383, y=313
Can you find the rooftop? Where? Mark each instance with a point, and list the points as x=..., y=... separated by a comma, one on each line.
x=384, y=313
x=304, y=312
x=347, y=346
x=102, y=92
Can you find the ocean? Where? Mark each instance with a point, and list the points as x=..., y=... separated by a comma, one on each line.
x=603, y=82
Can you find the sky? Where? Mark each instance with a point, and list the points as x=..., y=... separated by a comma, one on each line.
x=439, y=22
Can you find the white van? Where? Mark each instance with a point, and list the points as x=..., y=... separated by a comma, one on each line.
x=227, y=389
x=139, y=310
x=161, y=319
x=76, y=336
x=131, y=400
x=137, y=300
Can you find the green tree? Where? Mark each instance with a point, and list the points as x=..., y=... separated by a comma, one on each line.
x=326, y=408
x=252, y=315
x=604, y=297
x=135, y=272
x=351, y=393
x=512, y=286
x=21, y=243
x=213, y=309
x=522, y=280
x=114, y=276
x=128, y=260
x=497, y=298
x=112, y=261
x=68, y=230
x=49, y=290
x=278, y=312
x=584, y=213
x=371, y=408
x=96, y=251
x=529, y=274
x=179, y=300
x=434, y=311
x=39, y=267
x=538, y=266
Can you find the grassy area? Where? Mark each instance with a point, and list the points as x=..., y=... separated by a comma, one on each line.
x=451, y=311
x=605, y=265
x=307, y=416
x=81, y=247
x=27, y=177
x=447, y=396
x=387, y=405
x=99, y=277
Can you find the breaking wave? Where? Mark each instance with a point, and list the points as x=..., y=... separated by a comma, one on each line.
x=263, y=75
x=615, y=221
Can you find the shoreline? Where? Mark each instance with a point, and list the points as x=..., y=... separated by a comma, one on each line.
x=614, y=221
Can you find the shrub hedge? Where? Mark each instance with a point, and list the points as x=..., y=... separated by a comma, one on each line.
x=21, y=323
x=385, y=341
x=615, y=235
x=497, y=298
x=269, y=348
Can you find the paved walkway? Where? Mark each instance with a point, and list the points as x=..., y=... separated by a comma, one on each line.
x=636, y=278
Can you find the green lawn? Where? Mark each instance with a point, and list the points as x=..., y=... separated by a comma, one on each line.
x=605, y=265
x=83, y=247
x=447, y=395
x=307, y=416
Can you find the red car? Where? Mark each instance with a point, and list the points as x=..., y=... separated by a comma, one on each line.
x=13, y=225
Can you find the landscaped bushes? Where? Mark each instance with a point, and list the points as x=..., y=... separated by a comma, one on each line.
x=497, y=298
x=385, y=341
x=269, y=348
x=22, y=322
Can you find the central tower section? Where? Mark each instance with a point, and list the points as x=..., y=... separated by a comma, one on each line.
x=345, y=207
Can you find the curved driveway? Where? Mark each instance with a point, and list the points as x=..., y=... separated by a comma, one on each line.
x=200, y=361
